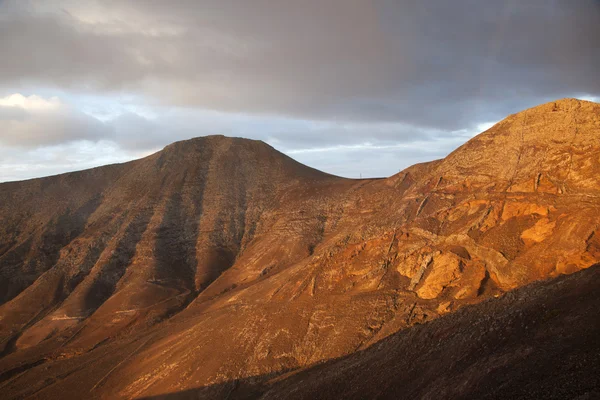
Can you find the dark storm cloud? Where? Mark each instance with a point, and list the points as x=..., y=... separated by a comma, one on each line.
x=430, y=64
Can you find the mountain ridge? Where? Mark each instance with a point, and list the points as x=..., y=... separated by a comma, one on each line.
x=219, y=258
x=556, y=103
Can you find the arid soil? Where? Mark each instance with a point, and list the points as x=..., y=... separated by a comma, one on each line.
x=219, y=260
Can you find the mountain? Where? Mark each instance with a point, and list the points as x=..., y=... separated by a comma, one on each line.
x=220, y=259
x=157, y=230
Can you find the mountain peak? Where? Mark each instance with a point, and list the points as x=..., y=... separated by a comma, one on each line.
x=568, y=104
x=232, y=156
x=211, y=141
x=552, y=147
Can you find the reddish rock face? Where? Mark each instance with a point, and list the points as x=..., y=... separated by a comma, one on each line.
x=538, y=342
x=219, y=259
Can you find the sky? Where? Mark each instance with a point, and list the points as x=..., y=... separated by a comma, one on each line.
x=351, y=87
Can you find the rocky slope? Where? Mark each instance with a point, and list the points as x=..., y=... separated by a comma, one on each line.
x=219, y=259
x=537, y=342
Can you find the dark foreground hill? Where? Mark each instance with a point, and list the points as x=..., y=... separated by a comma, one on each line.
x=220, y=259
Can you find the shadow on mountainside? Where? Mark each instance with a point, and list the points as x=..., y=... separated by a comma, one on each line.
x=540, y=341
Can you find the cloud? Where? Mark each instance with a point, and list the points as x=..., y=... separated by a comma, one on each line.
x=34, y=121
x=43, y=136
x=428, y=63
x=24, y=163
x=32, y=102
x=352, y=87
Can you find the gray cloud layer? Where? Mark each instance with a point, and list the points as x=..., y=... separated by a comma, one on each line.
x=364, y=77
x=429, y=63
x=40, y=122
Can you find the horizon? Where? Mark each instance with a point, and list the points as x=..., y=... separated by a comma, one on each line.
x=289, y=155
x=364, y=90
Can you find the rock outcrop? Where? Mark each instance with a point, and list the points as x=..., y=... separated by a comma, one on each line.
x=539, y=342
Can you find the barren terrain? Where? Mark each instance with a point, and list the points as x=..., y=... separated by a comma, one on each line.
x=220, y=261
